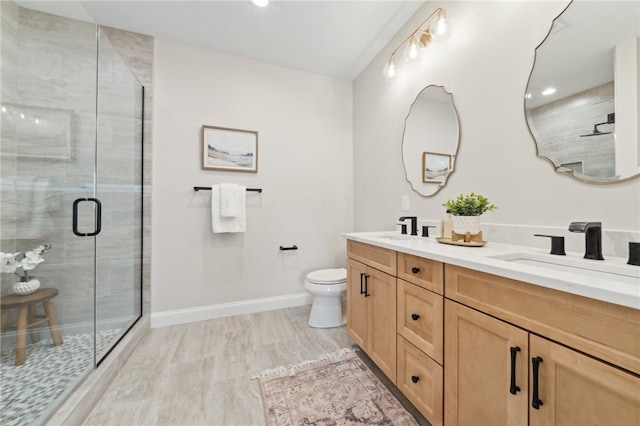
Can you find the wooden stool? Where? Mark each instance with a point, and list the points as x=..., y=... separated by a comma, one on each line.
x=27, y=318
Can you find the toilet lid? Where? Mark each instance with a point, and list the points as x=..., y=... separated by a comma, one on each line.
x=327, y=276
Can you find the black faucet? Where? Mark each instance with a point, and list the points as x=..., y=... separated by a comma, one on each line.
x=414, y=223
x=593, y=238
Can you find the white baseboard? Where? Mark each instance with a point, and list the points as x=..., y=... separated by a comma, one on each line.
x=203, y=313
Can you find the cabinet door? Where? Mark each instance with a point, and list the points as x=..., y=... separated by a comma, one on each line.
x=478, y=371
x=420, y=316
x=577, y=389
x=357, y=313
x=420, y=380
x=382, y=321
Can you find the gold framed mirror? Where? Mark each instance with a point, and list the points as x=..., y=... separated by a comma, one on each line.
x=582, y=99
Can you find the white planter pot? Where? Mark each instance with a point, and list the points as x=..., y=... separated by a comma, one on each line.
x=464, y=224
x=26, y=287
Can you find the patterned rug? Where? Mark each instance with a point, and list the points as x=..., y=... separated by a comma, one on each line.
x=340, y=390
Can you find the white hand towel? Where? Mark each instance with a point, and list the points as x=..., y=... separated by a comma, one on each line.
x=220, y=224
x=231, y=196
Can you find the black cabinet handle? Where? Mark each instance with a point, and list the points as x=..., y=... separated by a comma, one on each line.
x=415, y=379
x=514, y=388
x=361, y=283
x=293, y=247
x=366, y=286
x=415, y=317
x=535, y=401
x=415, y=270
x=98, y=217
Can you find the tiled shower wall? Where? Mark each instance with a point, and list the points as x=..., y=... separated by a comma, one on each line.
x=35, y=199
x=559, y=125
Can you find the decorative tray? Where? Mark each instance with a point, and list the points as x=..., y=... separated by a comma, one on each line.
x=461, y=242
x=467, y=240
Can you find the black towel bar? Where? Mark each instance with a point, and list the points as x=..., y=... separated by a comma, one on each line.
x=208, y=188
x=294, y=247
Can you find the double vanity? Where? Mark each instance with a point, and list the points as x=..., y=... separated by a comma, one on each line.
x=498, y=335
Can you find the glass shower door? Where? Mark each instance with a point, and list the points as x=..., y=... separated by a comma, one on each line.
x=119, y=188
x=47, y=161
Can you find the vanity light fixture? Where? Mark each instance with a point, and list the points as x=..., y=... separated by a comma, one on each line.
x=438, y=30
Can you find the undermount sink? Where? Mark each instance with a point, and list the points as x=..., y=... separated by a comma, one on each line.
x=395, y=237
x=592, y=268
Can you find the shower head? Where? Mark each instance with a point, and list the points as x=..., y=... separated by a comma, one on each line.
x=595, y=131
x=611, y=119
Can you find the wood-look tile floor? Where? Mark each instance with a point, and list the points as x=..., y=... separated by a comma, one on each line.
x=200, y=373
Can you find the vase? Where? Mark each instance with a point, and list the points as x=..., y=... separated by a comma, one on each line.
x=464, y=224
x=26, y=287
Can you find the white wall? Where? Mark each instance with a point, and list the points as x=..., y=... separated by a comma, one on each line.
x=485, y=64
x=304, y=125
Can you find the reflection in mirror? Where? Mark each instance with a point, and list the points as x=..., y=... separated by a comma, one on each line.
x=430, y=141
x=582, y=100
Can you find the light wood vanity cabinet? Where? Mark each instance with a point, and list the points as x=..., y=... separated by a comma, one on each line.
x=570, y=387
x=467, y=358
x=371, y=303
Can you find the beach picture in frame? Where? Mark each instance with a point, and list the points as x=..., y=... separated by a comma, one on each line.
x=435, y=167
x=229, y=149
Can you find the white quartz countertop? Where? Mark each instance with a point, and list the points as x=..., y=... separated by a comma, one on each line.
x=611, y=280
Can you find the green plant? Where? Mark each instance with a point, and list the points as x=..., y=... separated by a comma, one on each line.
x=469, y=205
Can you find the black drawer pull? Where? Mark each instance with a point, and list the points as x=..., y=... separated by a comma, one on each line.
x=415, y=270
x=366, y=286
x=535, y=401
x=361, y=283
x=415, y=317
x=514, y=388
x=415, y=379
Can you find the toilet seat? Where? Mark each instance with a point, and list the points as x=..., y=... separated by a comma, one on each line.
x=327, y=276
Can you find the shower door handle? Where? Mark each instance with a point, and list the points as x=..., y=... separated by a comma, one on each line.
x=98, y=217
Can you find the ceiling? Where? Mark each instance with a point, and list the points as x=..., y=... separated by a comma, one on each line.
x=334, y=38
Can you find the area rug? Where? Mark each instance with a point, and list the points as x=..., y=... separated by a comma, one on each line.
x=336, y=390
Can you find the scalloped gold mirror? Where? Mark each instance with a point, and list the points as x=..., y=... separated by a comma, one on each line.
x=582, y=100
x=430, y=140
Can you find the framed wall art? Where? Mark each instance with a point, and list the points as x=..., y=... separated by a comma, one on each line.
x=228, y=149
x=435, y=167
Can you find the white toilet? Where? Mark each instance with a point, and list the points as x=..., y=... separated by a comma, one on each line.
x=327, y=287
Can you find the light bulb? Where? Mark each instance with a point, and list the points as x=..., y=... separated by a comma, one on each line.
x=389, y=70
x=441, y=27
x=411, y=50
x=260, y=3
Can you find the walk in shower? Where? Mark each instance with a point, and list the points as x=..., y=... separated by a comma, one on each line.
x=71, y=173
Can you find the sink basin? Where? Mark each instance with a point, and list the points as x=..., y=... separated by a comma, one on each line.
x=400, y=237
x=592, y=268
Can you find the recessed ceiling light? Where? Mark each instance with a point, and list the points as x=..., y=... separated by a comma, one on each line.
x=260, y=3
x=549, y=91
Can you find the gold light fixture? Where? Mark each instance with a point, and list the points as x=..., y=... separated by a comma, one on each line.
x=438, y=30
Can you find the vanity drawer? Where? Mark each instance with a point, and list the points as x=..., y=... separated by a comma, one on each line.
x=420, y=271
x=376, y=257
x=419, y=378
x=601, y=329
x=420, y=318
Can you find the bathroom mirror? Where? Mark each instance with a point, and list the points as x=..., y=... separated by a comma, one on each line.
x=582, y=100
x=430, y=140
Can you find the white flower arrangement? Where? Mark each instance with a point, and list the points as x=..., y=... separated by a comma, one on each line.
x=30, y=259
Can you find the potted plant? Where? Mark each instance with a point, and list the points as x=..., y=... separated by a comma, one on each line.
x=466, y=211
x=29, y=260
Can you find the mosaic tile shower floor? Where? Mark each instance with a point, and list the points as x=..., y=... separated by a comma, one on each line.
x=28, y=390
